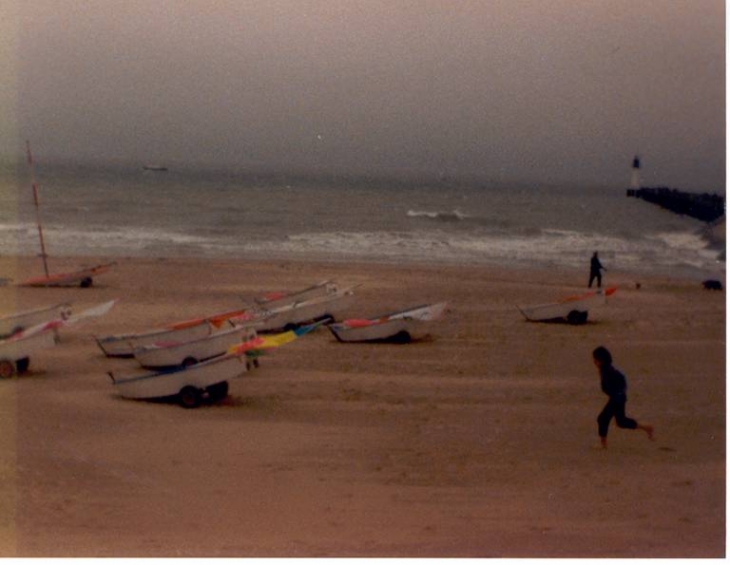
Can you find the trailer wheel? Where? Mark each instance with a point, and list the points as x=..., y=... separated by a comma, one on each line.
x=402, y=337
x=577, y=317
x=22, y=364
x=188, y=361
x=189, y=397
x=218, y=391
x=7, y=368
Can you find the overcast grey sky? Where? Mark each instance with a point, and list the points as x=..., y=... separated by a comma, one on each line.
x=559, y=90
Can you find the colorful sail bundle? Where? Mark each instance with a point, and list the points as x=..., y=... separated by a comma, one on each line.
x=255, y=345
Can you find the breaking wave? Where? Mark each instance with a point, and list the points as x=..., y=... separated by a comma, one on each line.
x=452, y=216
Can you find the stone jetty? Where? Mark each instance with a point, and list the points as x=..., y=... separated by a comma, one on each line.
x=702, y=206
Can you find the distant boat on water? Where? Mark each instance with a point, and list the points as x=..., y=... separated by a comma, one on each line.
x=158, y=168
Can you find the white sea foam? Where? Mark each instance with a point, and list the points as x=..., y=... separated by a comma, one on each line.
x=453, y=215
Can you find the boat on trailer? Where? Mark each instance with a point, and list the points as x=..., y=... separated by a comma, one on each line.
x=123, y=345
x=16, y=350
x=573, y=309
x=176, y=353
x=83, y=277
x=273, y=300
x=402, y=326
x=327, y=308
x=190, y=385
x=20, y=321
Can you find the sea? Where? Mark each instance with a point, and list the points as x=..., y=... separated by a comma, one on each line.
x=130, y=211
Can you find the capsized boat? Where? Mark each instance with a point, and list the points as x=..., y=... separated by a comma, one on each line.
x=19, y=321
x=401, y=326
x=328, y=307
x=174, y=353
x=573, y=309
x=189, y=384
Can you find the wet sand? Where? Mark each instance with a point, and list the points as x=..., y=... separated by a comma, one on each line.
x=480, y=442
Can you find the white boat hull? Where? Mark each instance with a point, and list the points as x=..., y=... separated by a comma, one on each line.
x=14, y=323
x=123, y=345
x=406, y=325
x=170, y=354
x=331, y=305
x=573, y=309
x=170, y=383
x=280, y=300
x=16, y=351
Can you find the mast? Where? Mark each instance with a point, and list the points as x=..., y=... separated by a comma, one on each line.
x=29, y=155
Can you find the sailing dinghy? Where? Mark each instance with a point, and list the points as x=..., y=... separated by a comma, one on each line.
x=190, y=385
x=402, y=326
x=19, y=321
x=274, y=300
x=327, y=307
x=83, y=277
x=573, y=309
x=123, y=345
x=16, y=350
x=163, y=354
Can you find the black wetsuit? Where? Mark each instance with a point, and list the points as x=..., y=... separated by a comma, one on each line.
x=613, y=383
x=595, y=272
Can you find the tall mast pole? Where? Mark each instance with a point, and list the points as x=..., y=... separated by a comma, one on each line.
x=29, y=155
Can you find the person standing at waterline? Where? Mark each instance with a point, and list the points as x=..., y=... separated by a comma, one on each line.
x=596, y=268
x=613, y=383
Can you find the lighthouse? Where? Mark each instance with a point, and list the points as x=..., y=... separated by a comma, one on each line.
x=635, y=169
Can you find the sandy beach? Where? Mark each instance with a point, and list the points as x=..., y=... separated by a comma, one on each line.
x=480, y=442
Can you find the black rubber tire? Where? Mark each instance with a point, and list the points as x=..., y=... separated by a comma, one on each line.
x=189, y=397
x=402, y=337
x=86, y=282
x=22, y=364
x=577, y=317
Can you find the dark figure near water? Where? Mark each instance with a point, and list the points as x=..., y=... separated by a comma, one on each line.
x=613, y=383
x=596, y=268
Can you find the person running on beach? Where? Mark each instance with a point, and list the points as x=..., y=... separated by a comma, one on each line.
x=613, y=383
x=595, y=270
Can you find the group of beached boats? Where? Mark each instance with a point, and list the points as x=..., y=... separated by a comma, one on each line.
x=193, y=360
